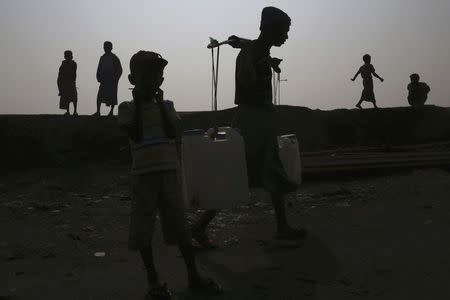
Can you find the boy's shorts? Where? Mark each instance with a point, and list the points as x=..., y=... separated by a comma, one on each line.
x=153, y=192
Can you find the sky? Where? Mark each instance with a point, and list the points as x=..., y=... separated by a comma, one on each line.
x=325, y=47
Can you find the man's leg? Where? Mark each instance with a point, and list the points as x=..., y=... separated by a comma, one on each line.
x=284, y=230
x=358, y=105
x=111, y=112
x=75, y=108
x=199, y=228
x=374, y=104
x=147, y=258
x=99, y=103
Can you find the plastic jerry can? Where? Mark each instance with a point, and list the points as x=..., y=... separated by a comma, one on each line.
x=214, y=169
x=289, y=152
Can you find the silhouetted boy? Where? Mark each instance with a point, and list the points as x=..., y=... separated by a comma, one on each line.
x=257, y=118
x=109, y=71
x=417, y=91
x=67, y=77
x=155, y=140
x=366, y=71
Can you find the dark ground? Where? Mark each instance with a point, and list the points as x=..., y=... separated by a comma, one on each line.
x=382, y=237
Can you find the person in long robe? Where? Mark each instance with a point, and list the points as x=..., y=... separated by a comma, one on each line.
x=366, y=71
x=257, y=117
x=109, y=71
x=417, y=91
x=66, y=81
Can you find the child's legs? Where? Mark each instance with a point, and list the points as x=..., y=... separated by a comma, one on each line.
x=173, y=220
x=75, y=106
x=145, y=189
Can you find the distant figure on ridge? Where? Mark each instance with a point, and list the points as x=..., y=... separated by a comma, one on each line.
x=109, y=71
x=417, y=91
x=66, y=81
x=366, y=71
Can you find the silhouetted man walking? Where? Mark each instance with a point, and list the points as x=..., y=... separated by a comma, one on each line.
x=109, y=71
x=256, y=116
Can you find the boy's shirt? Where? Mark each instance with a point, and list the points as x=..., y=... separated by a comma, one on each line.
x=366, y=71
x=156, y=152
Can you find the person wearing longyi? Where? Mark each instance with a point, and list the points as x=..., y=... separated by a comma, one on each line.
x=366, y=71
x=66, y=81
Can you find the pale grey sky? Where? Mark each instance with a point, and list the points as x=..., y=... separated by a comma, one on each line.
x=324, y=50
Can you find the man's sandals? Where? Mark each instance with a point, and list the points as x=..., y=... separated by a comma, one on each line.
x=159, y=292
x=206, y=286
x=291, y=234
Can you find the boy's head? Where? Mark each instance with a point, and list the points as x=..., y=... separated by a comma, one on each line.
x=68, y=55
x=275, y=25
x=146, y=70
x=367, y=58
x=107, y=46
x=414, y=78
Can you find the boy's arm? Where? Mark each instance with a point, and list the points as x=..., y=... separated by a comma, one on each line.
x=125, y=116
x=356, y=75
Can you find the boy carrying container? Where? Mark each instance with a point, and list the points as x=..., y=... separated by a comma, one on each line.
x=151, y=124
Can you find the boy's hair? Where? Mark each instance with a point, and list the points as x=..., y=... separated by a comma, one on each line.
x=107, y=44
x=68, y=54
x=414, y=76
x=366, y=58
x=272, y=16
x=147, y=61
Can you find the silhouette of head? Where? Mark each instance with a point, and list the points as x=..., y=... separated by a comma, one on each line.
x=274, y=26
x=367, y=58
x=414, y=78
x=68, y=55
x=107, y=46
x=146, y=70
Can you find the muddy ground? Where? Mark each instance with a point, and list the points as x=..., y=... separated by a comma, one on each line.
x=383, y=237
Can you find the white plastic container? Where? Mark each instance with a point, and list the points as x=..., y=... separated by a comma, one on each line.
x=215, y=170
x=290, y=156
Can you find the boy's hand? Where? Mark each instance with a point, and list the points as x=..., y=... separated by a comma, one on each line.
x=352, y=79
x=381, y=79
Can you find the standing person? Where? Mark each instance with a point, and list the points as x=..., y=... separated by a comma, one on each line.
x=109, y=71
x=155, y=143
x=66, y=81
x=256, y=116
x=366, y=71
x=417, y=91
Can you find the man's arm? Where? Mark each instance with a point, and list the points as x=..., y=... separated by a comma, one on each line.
x=376, y=75
x=98, y=75
x=59, y=80
x=356, y=75
x=119, y=67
